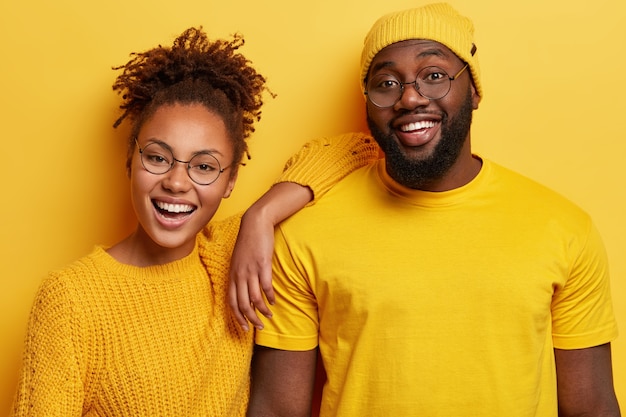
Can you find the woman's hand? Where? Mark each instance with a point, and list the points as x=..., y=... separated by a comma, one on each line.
x=251, y=270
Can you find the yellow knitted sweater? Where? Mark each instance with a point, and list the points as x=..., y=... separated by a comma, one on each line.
x=109, y=339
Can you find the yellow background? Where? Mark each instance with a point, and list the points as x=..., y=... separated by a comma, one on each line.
x=553, y=71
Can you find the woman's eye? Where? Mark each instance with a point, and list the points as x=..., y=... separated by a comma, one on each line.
x=205, y=167
x=204, y=163
x=157, y=159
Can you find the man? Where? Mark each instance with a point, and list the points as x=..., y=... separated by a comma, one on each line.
x=435, y=282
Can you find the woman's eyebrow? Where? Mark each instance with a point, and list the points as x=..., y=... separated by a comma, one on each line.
x=169, y=148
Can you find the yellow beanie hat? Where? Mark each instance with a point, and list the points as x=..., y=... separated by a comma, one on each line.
x=438, y=22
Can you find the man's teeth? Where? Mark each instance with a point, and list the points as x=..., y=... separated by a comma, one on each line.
x=174, y=208
x=417, y=125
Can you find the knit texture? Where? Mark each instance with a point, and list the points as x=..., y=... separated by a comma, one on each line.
x=438, y=22
x=112, y=339
x=109, y=339
x=321, y=161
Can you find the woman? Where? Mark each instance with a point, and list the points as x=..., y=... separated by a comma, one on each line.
x=143, y=327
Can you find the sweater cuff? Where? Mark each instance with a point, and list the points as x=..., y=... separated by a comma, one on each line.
x=322, y=163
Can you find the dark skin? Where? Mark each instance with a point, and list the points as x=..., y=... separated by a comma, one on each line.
x=283, y=380
x=403, y=60
x=585, y=382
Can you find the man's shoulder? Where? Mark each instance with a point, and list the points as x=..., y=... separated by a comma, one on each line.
x=511, y=184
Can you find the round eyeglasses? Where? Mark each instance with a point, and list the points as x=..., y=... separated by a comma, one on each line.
x=433, y=83
x=157, y=158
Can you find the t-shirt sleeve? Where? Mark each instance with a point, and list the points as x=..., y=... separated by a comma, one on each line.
x=582, y=310
x=294, y=323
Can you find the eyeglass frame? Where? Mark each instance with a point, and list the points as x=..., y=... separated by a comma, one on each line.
x=174, y=160
x=416, y=86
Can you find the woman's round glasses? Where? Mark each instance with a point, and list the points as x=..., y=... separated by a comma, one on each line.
x=157, y=158
x=433, y=83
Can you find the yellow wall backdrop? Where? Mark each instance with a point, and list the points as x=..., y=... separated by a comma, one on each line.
x=553, y=70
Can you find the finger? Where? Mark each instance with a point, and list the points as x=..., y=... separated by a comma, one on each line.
x=265, y=279
x=247, y=306
x=258, y=299
x=234, y=306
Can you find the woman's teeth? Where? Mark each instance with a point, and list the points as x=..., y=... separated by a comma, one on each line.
x=174, y=208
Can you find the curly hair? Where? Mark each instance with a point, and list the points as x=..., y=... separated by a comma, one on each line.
x=193, y=70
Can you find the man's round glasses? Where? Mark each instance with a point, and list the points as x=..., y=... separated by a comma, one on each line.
x=433, y=83
x=157, y=158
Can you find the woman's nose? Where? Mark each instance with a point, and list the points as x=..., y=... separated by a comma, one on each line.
x=177, y=179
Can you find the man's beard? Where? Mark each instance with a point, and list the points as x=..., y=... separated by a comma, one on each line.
x=418, y=173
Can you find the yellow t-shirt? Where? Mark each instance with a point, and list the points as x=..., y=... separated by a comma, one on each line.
x=439, y=304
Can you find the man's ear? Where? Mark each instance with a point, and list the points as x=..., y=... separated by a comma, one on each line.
x=475, y=98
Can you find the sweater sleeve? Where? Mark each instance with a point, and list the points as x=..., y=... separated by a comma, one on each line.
x=49, y=380
x=321, y=163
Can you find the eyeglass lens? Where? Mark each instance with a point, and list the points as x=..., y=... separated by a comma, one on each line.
x=385, y=90
x=203, y=168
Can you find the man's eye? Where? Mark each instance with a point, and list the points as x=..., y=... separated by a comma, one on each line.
x=389, y=84
x=434, y=77
x=385, y=83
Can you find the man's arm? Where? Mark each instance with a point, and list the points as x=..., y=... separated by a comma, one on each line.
x=585, y=382
x=282, y=383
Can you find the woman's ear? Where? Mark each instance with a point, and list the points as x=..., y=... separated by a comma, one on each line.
x=231, y=185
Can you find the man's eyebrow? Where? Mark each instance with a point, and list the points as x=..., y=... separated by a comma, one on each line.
x=381, y=65
x=432, y=52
